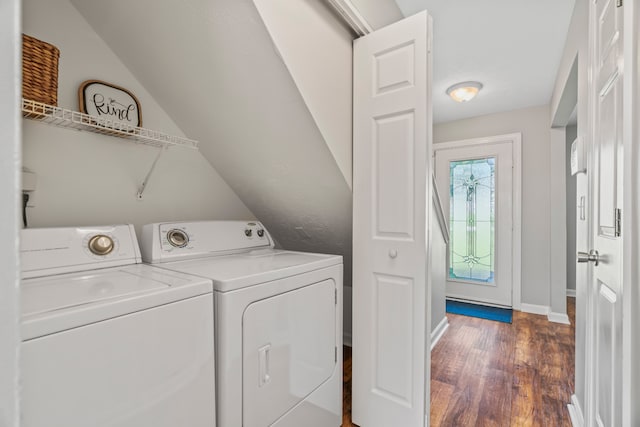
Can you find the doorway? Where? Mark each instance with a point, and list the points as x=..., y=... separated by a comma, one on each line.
x=480, y=186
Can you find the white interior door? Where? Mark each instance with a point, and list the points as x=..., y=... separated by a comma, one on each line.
x=391, y=192
x=477, y=195
x=605, y=290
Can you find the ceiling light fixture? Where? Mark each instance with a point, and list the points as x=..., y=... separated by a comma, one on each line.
x=465, y=91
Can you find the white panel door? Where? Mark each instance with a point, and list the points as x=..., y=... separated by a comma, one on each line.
x=391, y=190
x=605, y=291
x=477, y=197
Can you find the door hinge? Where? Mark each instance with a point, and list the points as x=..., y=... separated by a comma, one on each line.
x=335, y=354
x=619, y=3
x=618, y=222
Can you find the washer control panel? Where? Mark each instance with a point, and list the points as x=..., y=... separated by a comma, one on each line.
x=67, y=249
x=169, y=241
x=101, y=244
x=177, y=238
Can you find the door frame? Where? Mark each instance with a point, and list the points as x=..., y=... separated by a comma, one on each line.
x=516, y=238
x=10, y=191
x=631, y=217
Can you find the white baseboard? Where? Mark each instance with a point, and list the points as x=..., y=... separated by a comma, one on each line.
x=534, y=309
x=439, y=331
x=571, y=293
x=558, y=318
x=575, y=412
x=346, y=339
x=545, y=310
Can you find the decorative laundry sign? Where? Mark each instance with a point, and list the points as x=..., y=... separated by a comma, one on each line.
x=108, y=101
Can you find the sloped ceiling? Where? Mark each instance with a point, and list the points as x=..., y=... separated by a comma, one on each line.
x=214, y=69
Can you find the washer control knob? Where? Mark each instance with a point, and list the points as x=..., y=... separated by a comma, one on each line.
x=248, y=232
x=177, y=238
x=101, y=244
x=260, y=232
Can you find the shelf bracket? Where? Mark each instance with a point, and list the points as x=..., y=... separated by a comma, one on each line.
x=143, y=186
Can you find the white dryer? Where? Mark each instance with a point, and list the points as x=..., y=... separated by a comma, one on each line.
x=108, y=341
x=278, y=321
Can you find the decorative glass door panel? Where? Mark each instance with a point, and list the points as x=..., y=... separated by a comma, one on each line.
x=472, y=220
x=477, y=179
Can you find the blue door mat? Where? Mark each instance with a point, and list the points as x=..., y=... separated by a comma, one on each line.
x=482, y=311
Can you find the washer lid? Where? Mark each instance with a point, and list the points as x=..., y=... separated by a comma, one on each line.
x=251, y=268
x=56, y=303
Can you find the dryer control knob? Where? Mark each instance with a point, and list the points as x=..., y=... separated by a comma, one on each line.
x=101, y=244
x=177, y=238
x=248, y=232
x=260, y=232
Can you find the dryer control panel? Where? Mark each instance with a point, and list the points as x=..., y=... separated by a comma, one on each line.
x=184, y=240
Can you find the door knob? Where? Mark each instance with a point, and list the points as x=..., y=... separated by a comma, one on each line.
x=592, y=256
x=393, y=253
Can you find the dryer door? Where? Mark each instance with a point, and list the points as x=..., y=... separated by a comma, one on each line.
x=289, y=350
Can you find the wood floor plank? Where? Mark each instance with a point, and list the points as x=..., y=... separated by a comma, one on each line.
x=527, y=405
x=465, y=401
x=492, y=374
x=495, y=404
x=441, y=394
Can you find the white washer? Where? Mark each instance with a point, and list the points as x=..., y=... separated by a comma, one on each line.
x=108, y=341
x=278, y=321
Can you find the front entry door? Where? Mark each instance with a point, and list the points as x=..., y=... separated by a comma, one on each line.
x=605, y=290
x=477, y=194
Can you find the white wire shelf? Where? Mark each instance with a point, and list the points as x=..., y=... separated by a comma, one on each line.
x=76, y=120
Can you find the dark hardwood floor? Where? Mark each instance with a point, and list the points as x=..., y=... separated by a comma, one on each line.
x=486, y=373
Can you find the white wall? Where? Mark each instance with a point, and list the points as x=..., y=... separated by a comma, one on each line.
x=317, y=50
x=378, y=13
x=534, y=125
x=223, y=80
x=572, y=211
x=576, y=46
x=85, y=178
x=10, y=65
x=558, y=225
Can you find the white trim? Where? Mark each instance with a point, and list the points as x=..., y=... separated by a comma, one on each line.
x=534, y=309
x=545, y=310
x=631, y=217
x=439, y=331
x=516, y=238
x=558, y=318
x=454, y=297
x=351, y=16
x=575, y=412
x=10, y=221
x=571, y=293
x=516, y=259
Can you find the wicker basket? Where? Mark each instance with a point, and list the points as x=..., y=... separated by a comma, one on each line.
x=39, y=70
